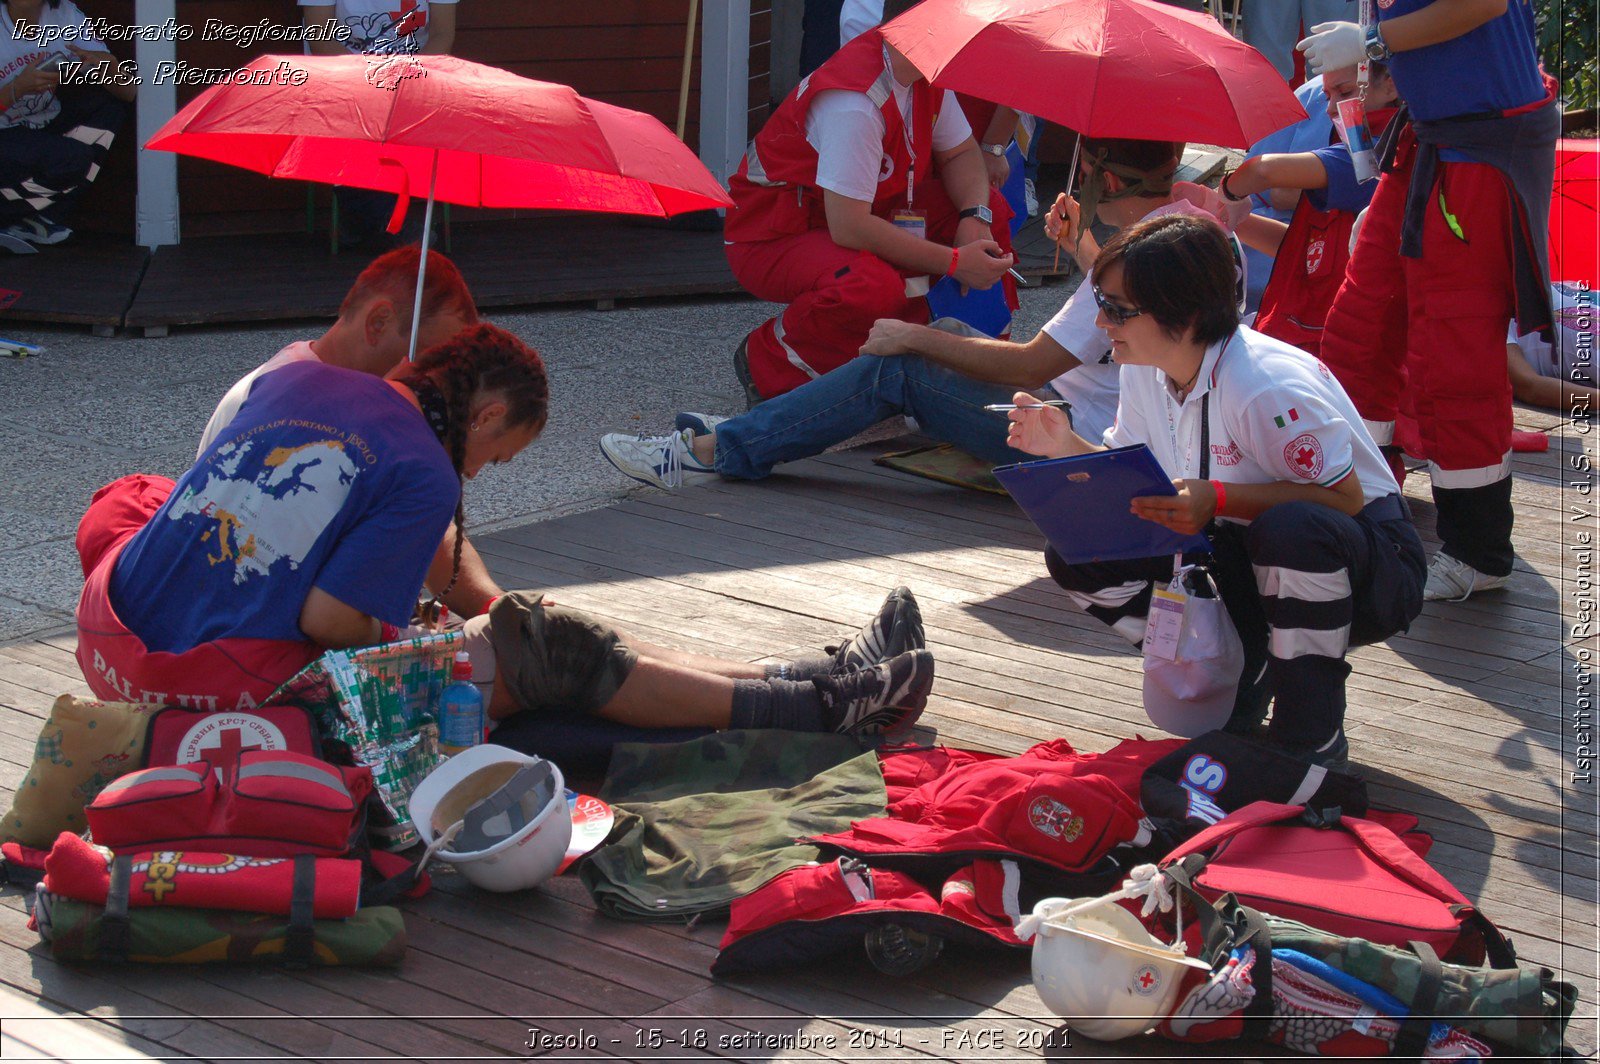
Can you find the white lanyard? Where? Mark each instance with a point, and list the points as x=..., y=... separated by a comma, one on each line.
x=907, y=125
x=1175, y=415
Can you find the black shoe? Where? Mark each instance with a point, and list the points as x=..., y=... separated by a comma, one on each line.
x=741, y=369
x=885, y=699
x=1333, y=755
x=1251, y=705
x=896, y=629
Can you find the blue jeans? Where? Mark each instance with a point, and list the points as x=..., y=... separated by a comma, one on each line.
x=1273, y=27
x=856, y=396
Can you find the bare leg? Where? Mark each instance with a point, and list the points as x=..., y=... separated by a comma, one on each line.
x=733, y=670
x=665, y=694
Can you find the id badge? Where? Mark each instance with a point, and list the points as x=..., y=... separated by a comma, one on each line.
x=1165, y=624
x=1358, y=138
x=913, y=222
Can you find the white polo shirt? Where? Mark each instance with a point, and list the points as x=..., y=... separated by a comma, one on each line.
x=383, y=27
x=1275, y=413
x=1091, y=388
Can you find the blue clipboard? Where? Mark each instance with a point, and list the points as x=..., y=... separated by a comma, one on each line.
x=1081, y=504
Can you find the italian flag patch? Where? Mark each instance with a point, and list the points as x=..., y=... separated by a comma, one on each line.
x=1283, y=420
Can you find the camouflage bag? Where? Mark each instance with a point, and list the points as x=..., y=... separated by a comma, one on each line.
x=78, y=931
x=1522, y=1007
x=377, y=707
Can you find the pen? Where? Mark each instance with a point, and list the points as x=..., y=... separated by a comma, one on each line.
x=1002, y=407
x=1020, y=279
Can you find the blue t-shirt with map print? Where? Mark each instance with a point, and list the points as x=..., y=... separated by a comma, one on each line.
x=326, y=478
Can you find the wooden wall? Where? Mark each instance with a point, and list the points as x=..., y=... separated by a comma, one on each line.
x=627, y=52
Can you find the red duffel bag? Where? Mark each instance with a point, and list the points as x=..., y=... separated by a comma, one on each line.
x=269, y=803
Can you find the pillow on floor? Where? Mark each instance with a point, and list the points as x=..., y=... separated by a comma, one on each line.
x=82, y=747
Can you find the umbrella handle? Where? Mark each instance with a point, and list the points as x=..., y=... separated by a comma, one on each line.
x=402, y=202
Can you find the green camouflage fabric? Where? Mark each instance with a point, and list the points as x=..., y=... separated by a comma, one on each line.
x=1524, y=1009
x=704, y=822
x=382, y=702
x=374, y=937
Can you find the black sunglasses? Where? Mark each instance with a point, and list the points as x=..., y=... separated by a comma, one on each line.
x=1116, y=312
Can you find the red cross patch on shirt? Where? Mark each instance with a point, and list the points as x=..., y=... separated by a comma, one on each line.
x=1304, y=456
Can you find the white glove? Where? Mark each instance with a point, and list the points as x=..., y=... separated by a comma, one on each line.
x=1333, y=45
x=1228, y=213
x=1148, y=881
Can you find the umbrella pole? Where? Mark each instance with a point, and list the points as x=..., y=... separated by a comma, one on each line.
x=688, y=68
x=1072, y=176
x=422, y=262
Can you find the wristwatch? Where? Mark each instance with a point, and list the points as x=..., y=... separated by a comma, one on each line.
x=1377, y=51
x=997, y=150
x=981, y=212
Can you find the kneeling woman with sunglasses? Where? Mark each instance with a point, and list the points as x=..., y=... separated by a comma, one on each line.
x=1314, y=546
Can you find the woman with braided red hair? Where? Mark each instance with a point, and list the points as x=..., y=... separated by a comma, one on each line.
x=311, y=521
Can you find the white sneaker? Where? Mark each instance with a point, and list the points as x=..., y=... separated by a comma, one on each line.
x=700, y=424
x=39, y=231
x=664, y=461
x=1030, y=198
x=1453, y=580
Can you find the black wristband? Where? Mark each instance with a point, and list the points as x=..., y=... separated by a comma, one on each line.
x=1227, y=193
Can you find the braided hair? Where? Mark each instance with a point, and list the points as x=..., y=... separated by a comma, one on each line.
x=481, y=362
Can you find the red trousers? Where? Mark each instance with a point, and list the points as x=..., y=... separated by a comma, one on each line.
x=1427, y=337
x=1423, y=341
x=834, y=294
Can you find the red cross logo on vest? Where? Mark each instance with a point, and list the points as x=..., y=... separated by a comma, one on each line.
x=220, y=738
x=1314, y=252
x=1304, y=456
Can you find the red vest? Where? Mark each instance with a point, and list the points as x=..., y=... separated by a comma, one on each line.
x=1308, y=269
x=774, y=191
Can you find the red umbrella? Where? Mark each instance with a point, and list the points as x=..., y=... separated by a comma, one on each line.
x=456, y=130
x=1104, y=68
x=1575, y=213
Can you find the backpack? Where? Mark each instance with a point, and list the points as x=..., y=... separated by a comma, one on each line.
x=1350, y=876
x=250, y=783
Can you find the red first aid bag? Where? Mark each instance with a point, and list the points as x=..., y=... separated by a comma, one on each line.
x=265, y=804
x=1351, y=876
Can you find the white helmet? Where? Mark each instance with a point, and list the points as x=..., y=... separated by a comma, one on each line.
x=499, y=816
x=1100, y=970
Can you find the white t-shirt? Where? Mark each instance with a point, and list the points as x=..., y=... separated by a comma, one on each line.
x=1092, y=387
x=383, y=27
x=1276, y=413
x=846, y=128
x=1573, y=356
x=17, y=54
x=857, y=17
x=299, y=351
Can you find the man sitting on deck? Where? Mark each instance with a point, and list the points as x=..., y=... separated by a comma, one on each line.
x=942, y=379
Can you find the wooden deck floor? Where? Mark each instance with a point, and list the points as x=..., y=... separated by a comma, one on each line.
x=1463, y=721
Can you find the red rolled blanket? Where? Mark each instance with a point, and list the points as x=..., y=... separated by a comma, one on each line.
x=78, y=870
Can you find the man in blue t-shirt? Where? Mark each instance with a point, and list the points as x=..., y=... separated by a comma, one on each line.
x=327, y=480
x=1453, y=247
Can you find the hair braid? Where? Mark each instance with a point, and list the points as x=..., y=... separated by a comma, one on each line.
x=458, y=401
x=481, y=360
